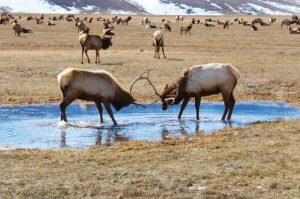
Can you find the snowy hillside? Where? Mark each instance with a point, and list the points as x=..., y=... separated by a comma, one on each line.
x=161, y=7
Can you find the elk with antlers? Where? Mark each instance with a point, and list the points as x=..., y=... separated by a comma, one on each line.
x=198, y=81
x=100, y=87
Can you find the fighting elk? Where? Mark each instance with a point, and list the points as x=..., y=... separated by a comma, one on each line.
x=199, y=81
x=99, y=87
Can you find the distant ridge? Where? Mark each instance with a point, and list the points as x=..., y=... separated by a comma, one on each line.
x=158, y=7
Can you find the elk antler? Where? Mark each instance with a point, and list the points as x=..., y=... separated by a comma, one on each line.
x=141, y=77
x=146, y=78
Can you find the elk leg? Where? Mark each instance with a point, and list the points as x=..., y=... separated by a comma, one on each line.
x=85, y=51
x=99, y=107
x=183, y=105
x=82, y=54
x=232, y=103
x=63, y=107
x=197, y=106
x=109, y=111
x=226, y=103
x=163, y=50
x=97, y=57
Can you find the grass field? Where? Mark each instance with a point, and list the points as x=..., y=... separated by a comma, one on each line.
x=260, y=161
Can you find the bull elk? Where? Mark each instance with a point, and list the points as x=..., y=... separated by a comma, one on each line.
x=198, y=81
x=99, y=87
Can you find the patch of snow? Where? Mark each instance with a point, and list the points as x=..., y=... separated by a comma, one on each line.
x=159, y=8
x=230, y=7
x=35, y=6
x=264, y=10
x=288, y=8
x=89, y=8
x=215, y=5
x=121, y=12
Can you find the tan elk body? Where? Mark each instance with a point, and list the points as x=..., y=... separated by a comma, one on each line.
x=97, y=86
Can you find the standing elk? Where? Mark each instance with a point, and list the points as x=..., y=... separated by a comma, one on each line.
x=80, y=25
x=158, y=41
x=93, y=42
x=203, y=80
x=199, y=81
x=226, y=24
x=186, y=29
x=17, y=28
x=99, y=87
x=287, y=23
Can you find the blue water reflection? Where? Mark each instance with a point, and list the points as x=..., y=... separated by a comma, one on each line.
x=38, y=126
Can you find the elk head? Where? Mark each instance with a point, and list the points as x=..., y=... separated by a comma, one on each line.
x=167, y=97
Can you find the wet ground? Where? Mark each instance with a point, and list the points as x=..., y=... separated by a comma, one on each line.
x=38, y=126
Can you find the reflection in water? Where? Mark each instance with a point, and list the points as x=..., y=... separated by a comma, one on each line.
x=108, y=138
x=38, y=126
x=63, y=137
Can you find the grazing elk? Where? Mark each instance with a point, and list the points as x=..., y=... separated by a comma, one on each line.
x=167, y=26
x=257, y=20
x=186, y=29
x=253, y=27
x=99, y=87
x=287, y=23
x=93, y=42
x=61, y=18
x=158, y=42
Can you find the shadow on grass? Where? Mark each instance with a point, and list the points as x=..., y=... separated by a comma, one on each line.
x=175, y=59
x=111, y=64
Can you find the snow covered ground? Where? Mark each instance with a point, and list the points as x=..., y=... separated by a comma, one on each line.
x=158, y=7
x=34, y=6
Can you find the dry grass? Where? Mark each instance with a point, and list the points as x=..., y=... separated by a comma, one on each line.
x=267, y=59
x=260, y=161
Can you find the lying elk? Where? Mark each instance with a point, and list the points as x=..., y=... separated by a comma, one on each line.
x=158, y=41
x=94, y=42
x=294, y=31
x=198, y=81
x=99, y=87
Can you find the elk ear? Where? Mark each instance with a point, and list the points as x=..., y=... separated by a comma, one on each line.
x=166, y=86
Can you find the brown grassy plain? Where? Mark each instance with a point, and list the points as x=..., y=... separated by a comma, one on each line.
x=260, y=161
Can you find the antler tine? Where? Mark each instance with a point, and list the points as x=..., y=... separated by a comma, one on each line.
x=146, y=78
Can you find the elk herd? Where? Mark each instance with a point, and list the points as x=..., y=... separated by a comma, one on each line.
x=102, y=88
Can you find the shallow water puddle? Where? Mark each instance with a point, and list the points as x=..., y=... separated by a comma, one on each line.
x=38, y=126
